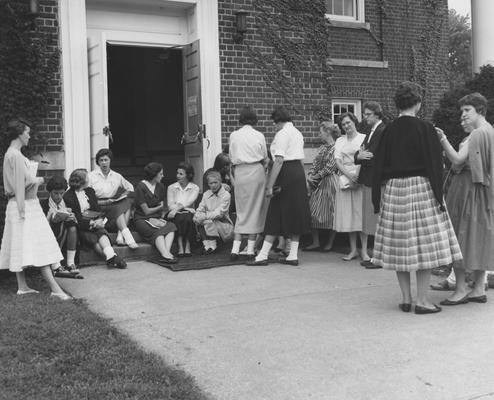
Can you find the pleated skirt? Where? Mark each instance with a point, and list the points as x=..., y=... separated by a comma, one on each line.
x=412, y=232
x=288, y=212
x=250, y=199
x=369, y=219
x=27, y=241
x=322, y=203
x=348, y=210
x=473, y=222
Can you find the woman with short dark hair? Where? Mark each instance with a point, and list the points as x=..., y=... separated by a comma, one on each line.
x=150, y=212
x=470, y=199
x=414, y=232
x=248, y=155
x=27, y=237
x=288, y=213
x=181, y=198
x=112, y=189
x=91, y=222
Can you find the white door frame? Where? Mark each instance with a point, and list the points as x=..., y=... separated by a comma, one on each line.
x=73, y=38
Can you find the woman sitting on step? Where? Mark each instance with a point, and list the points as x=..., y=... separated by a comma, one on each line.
x=111, y=190
x=91, y=222
x=150, y=211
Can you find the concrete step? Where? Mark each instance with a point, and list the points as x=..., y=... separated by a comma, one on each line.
x=144, y=252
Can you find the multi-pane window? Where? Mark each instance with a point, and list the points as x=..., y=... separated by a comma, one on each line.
x=341, y=106
x=346, y=10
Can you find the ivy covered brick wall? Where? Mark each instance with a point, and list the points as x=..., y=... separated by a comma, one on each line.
x=285, y=58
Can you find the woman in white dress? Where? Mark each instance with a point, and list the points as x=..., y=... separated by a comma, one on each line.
x=348, y=208
x=27, y=237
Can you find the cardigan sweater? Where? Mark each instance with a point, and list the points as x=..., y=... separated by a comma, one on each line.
x=409, y=147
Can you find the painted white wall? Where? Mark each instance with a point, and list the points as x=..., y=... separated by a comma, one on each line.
x=482, y=32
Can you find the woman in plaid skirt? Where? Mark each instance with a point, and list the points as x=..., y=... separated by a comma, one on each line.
x=414, y=232
x=470, y=199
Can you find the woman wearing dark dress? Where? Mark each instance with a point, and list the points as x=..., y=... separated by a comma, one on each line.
x=83, y=202
x=414, y=232
x=150, y=211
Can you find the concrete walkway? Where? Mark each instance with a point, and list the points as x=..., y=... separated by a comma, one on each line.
x=325, y=330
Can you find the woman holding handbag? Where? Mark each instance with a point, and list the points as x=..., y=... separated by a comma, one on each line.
x=150, y=211
x=323, y=182
x=348, y=209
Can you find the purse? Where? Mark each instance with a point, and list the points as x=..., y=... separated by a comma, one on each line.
x=346, y=183
x=90, y=214
x=156, y=222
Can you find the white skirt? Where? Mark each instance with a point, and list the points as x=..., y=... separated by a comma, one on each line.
x=27, y=241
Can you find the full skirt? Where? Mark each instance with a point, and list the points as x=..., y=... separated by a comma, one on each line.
x=412, y=232
x=27, y=241
x=322, y=203
x=348, y=210
x=472, y=221
x=150, y=233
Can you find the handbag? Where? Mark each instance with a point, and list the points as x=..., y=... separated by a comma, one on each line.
x=90, y=214
x=156, y=222
x=346, y=183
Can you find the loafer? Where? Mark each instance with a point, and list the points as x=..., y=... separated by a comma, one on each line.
x=181, y=255
x=425, y=310
x=187, y=254
x=116, y=262
x=260, y=262
x=447, y=302
x=234, y=257
x=405, y=307
x=288, y=262
x=478, y=299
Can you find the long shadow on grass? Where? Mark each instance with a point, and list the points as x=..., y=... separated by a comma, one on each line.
x=50, y=349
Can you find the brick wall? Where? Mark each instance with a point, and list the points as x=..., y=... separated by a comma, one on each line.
x=242, y=83
x=51, y=125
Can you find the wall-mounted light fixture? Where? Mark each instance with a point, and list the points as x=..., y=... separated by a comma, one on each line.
x=34, y=8
x=241, y=26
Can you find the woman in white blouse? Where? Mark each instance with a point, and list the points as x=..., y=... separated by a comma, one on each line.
x=288, y=213
x=348, y=207
x=112, y=189
x=181, y=197
x=248, y=155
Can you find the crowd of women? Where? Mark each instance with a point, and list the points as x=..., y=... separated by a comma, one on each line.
x=388, y=183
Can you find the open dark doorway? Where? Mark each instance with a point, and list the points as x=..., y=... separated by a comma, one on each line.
x=145, y=106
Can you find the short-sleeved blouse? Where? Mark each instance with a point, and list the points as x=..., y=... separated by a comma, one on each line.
x=144, y=195
x=288, y=143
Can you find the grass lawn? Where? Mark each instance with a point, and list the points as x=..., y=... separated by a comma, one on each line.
x=51, y=349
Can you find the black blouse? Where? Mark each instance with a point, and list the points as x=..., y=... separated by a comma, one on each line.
x=144, y=195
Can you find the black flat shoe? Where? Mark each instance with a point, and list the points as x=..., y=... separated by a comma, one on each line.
x=425, y=310
x=405, y=307
x=478, y=299
x=234, y=257
x=180, y=255
x=447, y=302
x=288, y=262
x=187, y=254
x=260, y=262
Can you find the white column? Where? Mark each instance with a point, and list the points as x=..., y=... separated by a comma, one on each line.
x=482, y=33
x=75, y=84
x=207, y=32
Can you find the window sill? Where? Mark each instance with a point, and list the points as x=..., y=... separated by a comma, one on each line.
x=348, y=24
x=348, y=62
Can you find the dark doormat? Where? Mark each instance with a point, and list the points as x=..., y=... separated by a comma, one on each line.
x=200, y=261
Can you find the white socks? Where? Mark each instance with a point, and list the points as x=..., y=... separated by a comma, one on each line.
x=263, y=254
x=109, y=252
x=129, y=239
x=250, y=247
x=70, y=257
x=209, y=244
x=120, y=239
x=236, y=246
x=293, y=254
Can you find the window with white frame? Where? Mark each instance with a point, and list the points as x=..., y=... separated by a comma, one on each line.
x=341, y=106
x=345, y=10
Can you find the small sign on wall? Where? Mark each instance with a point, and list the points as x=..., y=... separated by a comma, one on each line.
x=192, y=106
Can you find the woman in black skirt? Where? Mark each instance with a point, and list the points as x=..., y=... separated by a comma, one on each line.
x=150, y=211
x=288, y=213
